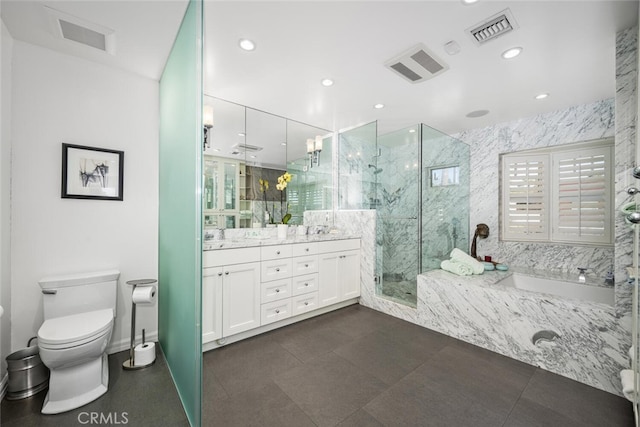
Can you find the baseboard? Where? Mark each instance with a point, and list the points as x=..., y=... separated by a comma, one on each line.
x=3, y=385
x=125, y=343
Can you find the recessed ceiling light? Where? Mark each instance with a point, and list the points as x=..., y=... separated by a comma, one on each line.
x=512, y=53
x=247, y=44
x=412, y=130
x=283, y=144
x=469, y=1
x=378, y=106
x=327, y=82
x=477, y=113
x=253, y=156
x=241, y=134
x=542, y=96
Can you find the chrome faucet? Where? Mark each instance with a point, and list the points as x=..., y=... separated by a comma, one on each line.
x=581, y=276
x=609, y=278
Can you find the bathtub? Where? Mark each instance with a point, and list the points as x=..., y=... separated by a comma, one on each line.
x=505, y=311
x=570, y=290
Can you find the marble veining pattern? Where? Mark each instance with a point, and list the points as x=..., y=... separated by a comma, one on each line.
x=477, y=310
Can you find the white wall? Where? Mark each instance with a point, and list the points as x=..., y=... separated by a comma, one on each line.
x=6, y=49
x=56, y=99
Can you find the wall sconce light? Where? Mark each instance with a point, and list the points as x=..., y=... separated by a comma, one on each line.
x=314, y=147
x=207, y=121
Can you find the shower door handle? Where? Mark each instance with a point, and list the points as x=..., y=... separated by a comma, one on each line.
x=49, y=291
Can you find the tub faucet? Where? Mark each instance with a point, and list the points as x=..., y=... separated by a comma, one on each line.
x=609, y=278
x=581, y=276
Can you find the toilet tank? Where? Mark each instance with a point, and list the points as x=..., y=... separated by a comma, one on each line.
x=79, y=293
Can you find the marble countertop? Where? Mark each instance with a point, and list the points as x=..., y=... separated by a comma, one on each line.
x=491, y=278
x=247, y=242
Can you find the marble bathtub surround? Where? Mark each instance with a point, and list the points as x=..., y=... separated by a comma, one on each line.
x=479, y=310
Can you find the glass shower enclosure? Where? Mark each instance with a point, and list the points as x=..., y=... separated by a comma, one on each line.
x=417, y=180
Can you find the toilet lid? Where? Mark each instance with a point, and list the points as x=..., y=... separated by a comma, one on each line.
x=68, y=329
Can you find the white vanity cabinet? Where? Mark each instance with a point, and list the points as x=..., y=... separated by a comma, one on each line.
x=246, y=290
x=338, y=271
x=230, y=292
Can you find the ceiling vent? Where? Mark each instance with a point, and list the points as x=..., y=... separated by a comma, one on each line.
x=417, y=64
x=247, y=148
x=493, y=27
x=69, y=27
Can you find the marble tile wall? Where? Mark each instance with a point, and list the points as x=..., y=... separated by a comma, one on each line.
x=578, y=123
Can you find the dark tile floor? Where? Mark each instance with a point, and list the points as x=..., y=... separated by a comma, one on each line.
x=145, y=397
x=359, y=367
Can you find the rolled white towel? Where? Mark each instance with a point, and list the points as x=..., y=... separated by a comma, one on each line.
x=456, y=267
x=476, y=266
x=626, y=377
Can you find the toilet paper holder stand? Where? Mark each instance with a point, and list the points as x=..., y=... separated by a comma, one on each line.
x=129, y=364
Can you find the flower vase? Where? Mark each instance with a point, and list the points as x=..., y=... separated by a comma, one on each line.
x=282, y=231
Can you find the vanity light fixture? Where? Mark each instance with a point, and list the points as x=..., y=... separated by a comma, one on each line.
x=542, y=96
x=207, y=121
x=511, y=53
x=327, y=82
x=314, y=147
x=247, y=45
x=378, y=106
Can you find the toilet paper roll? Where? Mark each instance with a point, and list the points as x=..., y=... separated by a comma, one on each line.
x=144, y=354
x=144, y=295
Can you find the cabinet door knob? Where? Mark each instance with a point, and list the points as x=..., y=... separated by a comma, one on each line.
x=277, y=269
x=220, y=274
x=277, y=252
x=277, y=290
x=306, y=284
x=306, y=265
x=277, y=311
x=306, y=303
x=226, y=273
x=307, y=250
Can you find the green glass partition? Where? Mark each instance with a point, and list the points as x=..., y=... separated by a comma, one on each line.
x=180, y=218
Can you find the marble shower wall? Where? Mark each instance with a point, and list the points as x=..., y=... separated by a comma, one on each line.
x=398, y=192
x=578, y=123
x=445, y=209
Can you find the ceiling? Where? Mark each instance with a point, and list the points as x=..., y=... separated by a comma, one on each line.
x=569, y=52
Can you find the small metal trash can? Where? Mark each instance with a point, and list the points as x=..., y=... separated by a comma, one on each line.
x=27, y=374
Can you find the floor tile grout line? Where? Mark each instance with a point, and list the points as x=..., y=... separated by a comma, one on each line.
x=520, y=396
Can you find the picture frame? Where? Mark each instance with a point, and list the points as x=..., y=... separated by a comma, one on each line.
x=92, y=173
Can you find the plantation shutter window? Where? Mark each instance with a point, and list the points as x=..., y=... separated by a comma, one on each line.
x=526, y=198
x=582, y=196
x=559, y=194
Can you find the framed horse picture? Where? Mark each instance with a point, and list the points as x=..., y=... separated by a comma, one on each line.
x=92, y=173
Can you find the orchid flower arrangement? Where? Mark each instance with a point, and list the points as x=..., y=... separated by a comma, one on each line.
x=283, y=180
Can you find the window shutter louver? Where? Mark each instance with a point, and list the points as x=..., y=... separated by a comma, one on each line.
x=582, y=196
x=525, y=197
x=559, y=194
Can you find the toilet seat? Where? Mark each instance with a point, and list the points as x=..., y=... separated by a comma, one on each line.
x=74, y=330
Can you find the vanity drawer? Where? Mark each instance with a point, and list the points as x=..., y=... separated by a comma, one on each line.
x=305, y=284
x=302, y=249
x=303, y=303
x=305, y=265
x=275, y=290
x=276, y=269
x=274, y=311
x=338, y=245
x=221, y=257
x=275, y=252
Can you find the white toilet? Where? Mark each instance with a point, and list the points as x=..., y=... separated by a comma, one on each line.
x=78, y=320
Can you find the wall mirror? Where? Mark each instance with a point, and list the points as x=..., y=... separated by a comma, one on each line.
x=245, y=153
